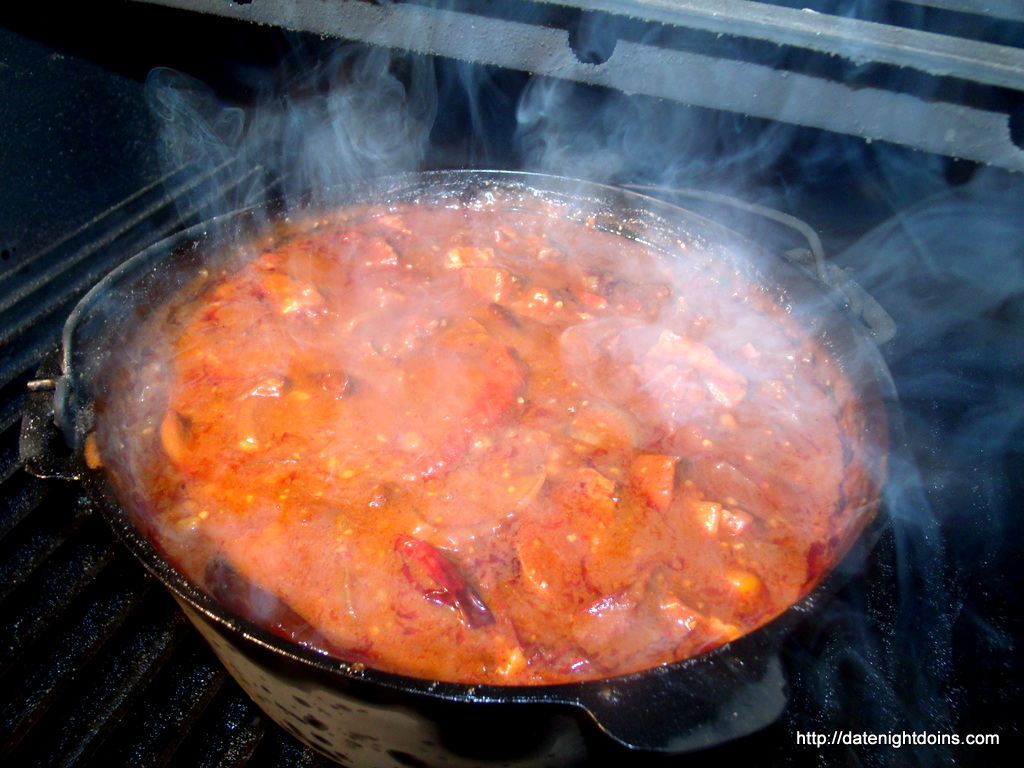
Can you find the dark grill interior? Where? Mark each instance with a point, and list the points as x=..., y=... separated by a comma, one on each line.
x=98, y=666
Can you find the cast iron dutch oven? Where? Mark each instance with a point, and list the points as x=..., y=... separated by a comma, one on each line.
x=362, y=716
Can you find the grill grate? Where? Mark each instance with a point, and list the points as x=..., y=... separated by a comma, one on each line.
x=97, y=664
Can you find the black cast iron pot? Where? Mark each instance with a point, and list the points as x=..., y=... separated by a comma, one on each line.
x=362, y=716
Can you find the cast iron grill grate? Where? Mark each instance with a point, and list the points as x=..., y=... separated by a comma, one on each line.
x=97, y=664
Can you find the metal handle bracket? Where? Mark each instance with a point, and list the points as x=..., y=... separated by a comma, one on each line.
x=42, y=447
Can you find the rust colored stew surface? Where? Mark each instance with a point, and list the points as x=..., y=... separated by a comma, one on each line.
x=486, y=445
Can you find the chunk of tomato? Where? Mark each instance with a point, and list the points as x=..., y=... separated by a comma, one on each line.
x=653, y=479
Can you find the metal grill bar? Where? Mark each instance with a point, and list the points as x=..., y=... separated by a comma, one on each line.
x=874, y=113
x=104, y=690
x=26, y=548
x=850, y=38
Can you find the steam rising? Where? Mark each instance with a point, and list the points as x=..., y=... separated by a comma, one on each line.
x=946, y=261
x=356, y=115
x=609, y=137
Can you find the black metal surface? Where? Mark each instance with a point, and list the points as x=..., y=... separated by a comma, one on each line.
x=97, y=664
x=97, y=667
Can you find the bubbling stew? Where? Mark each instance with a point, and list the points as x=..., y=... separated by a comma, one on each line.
x=484, y=444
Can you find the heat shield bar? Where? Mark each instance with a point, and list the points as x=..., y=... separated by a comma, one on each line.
x=872, y=112
x=850, y=38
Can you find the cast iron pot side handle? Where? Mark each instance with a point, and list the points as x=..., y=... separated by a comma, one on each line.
x=878, y=323
x=676, y=710
x=42, y=447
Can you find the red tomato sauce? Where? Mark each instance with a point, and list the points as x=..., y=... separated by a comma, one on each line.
x=486, y=445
